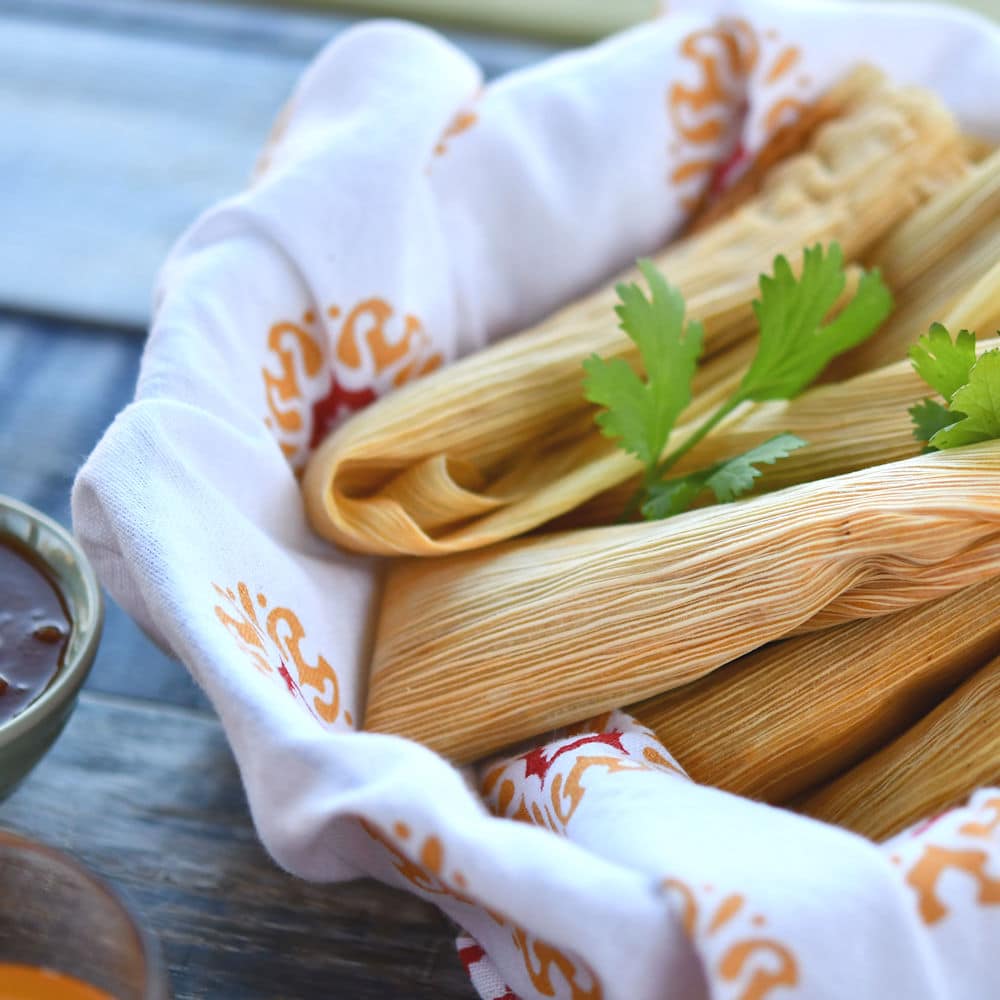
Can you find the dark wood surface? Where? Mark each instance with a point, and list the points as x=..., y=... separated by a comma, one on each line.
x=122, y=120
x=149, y=797
x=61, y=384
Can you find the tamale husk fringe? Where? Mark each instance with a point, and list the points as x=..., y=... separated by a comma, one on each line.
x=477, y=651
x=798, y=712
x=441, y=466
x=933, y=765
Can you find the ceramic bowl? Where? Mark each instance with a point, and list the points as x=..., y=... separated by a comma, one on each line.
x=25, y=739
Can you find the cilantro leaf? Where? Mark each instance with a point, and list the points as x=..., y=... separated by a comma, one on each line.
x=613, y=383
x=929, y=417
x=975, y=406
x=673, y=496
x=944, y=365
x=795, y=346
x=642, y=414
x=736, y=476
x=727, y=480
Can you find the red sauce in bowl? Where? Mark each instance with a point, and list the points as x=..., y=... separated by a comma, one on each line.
x=34, y=629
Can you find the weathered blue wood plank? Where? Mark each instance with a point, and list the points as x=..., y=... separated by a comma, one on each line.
x=60, y=386
x=122, y=120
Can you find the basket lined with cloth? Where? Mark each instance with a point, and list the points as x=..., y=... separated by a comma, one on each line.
x=407, y=217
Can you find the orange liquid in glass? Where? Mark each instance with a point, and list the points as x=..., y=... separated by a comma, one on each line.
x=28, y=982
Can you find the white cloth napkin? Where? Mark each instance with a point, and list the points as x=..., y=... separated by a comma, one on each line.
x=406, y=215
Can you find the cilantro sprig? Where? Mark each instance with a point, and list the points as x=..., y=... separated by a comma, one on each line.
x=642, y=414
x=969, y=385
x=795, y=345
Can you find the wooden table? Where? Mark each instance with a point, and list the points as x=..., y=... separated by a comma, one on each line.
x=148, y=795
x=142, y=786
x=104, y=162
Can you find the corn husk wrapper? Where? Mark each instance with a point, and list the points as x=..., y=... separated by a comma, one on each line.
x=933, y=765
x=475, y=652
x=503, y=441
x=943, y=263
x=796, y=713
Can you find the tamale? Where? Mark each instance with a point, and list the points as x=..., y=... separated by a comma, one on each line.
x=479, y=650
x=848, y=425
x=933, y=765
x=943, y=263
x=798, y=712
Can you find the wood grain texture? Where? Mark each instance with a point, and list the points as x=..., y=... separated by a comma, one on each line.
x=934, y=764
x=150, y=798
x=798, y=712
x=50, y=419
x=112, y=149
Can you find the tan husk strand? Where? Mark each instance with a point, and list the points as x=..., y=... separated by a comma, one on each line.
x=933, y=765
x=407, y=476
x=798, y=712
x=477, y=651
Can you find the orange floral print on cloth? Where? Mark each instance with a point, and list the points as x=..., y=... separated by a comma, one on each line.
x=306, y=391
x=461, y=121
x=745, y=962
x=421, y=862
x=720, y=66
x=551, y=972
x=277, y=133
x=953, y=859
x=547, y=785
x=271, y=638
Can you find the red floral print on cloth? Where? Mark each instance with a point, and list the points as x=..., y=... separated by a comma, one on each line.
x=546, y=785
x=309, y=388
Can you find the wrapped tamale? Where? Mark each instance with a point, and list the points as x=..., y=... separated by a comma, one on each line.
x=476, y=651
x=932, y=766
x=798, y=712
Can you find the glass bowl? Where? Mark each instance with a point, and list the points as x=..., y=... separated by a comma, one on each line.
x=56, y=915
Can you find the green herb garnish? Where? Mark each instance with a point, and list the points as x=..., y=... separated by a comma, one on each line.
x=795, y=345
x=969, y=385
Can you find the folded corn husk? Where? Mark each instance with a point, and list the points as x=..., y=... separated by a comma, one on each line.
x=406, y=476
x=933, y=765
x=798, y=712
x=479, y=650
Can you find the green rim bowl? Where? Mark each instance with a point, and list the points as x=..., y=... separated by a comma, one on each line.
x=25, y=739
